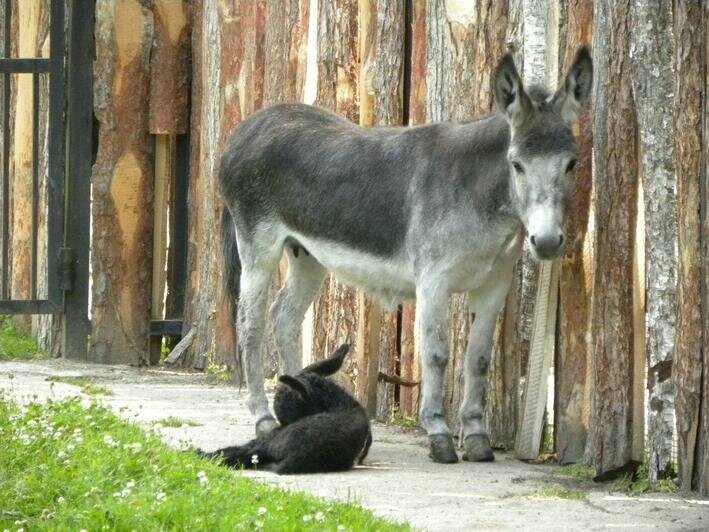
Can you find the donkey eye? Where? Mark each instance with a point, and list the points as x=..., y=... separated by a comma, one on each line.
x=518, y=167
x=570, y=167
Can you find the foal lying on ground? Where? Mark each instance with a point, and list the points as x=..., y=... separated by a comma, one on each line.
x=322, y=428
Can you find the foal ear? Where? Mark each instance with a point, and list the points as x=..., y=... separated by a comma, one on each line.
x=296, y=385
x=510, y=97
x=331, y=365
x=574, y=95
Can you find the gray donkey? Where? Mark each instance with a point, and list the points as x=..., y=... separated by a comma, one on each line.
x=403, y=213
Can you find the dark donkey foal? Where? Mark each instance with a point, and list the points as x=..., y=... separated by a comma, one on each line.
x=322, y=427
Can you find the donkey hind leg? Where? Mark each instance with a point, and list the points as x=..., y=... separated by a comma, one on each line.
x=432, y=330
x=258, y=265
x=305, y=276
x=486, y=305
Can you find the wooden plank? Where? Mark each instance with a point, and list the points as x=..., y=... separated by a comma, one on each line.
x=179, y=351
x=164, y=172
x=541, y=355
x=169, y=67
x=122, y=185
x=615, y=174
x=570, y=365
x=28, y=17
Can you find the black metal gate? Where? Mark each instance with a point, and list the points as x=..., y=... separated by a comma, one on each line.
x=66, y=206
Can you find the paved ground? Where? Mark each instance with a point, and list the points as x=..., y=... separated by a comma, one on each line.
x=398, y=481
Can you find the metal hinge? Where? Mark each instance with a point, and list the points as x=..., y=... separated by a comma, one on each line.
x=66, y=269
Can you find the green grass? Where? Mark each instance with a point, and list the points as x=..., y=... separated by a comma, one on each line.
x=176, y=422
x=15, y=345
x=577, y=471
x=402, y=420
x=64, y=466
x=640, y=483
x=86, y=385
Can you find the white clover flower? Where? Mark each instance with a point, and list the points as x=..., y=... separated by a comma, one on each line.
x=161, y=496
x=61, y=500
x=70, y=447
x=202, y=476
x=258, y=525
x=254, y=459
x=108, y=440
x=341, y=527
x=134, y=447
x=262, y=511
x=61, y=455
x=307, y=518
x=130, y=485
x=319, y=517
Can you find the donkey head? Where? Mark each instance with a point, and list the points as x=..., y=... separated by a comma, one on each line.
x=542, y=151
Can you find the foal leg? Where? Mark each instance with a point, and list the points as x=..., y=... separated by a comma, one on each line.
x=486, y=305
x=258, y=262
x=305, y=276
x=432, y=331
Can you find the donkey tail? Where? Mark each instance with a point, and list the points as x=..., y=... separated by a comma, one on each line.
x=230, y=257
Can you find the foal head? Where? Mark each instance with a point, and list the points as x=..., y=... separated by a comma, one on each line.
x=542, y=151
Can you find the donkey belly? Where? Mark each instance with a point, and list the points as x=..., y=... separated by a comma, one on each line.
x=389, y=279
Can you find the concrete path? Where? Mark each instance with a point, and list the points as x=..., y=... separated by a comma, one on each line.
x=398, y=481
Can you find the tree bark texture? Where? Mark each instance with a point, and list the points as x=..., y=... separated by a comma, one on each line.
x=688, y=107
x=653, y=88
x=615, y=164
x=232, y=60
x=701, y=474
x=574, y=280
x=169, y=67
x=122, y=184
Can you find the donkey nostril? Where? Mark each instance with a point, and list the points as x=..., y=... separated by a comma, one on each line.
x=533, y=240
x=561, y=240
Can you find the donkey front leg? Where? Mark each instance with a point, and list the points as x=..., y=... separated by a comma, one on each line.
x=486, y=305
x=432, y=332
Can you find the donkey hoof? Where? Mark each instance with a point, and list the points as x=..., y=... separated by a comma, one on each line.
x=477, y=448
x=265, y=426
x=442, y=449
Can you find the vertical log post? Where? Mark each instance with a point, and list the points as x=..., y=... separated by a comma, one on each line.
x=122, y=185
x=574, y=298
x=653, y=89
x=689, y=94
x=611, y=428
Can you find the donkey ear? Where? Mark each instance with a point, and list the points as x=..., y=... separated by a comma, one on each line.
x=296, y=385
x=510, y=97
x=573, y=96
x=331, y=365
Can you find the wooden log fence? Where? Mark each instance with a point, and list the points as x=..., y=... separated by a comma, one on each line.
x=623, y=313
